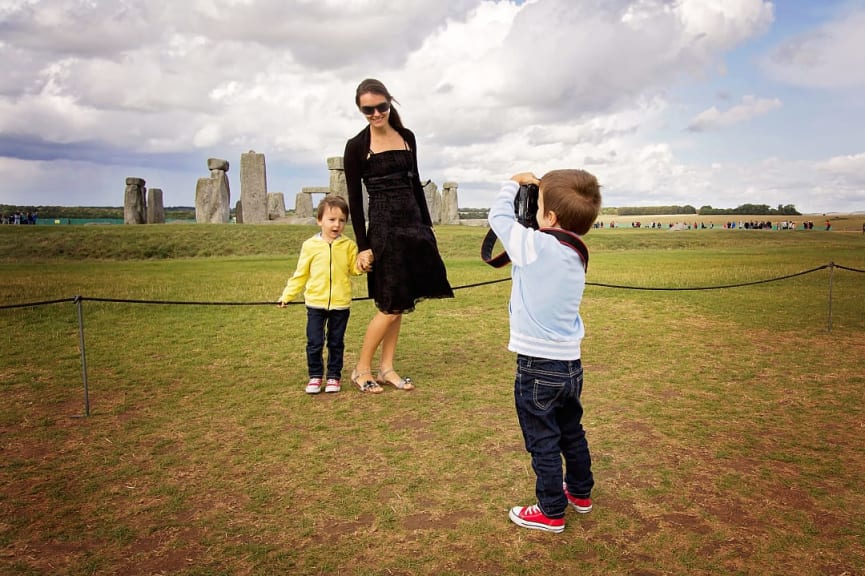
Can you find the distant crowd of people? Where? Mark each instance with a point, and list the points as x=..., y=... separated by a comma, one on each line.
x=19, y=218
x=751, y=225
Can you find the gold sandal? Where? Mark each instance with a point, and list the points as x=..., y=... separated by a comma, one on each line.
x=368, y=385
x=403, y=384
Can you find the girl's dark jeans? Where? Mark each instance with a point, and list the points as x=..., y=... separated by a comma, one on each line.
x=547, y=397
x=333, y=322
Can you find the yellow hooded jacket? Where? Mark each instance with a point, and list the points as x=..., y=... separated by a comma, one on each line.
x=325, y=270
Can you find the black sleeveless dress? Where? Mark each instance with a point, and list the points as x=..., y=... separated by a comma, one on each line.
x=407, y=266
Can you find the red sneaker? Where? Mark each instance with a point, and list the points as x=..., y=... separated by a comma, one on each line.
x=532, y=517
x=333, y=385
x=583, y=505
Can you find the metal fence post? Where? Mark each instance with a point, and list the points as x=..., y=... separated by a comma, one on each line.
x=83, y=354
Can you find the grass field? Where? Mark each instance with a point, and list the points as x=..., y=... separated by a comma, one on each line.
x=726, y=425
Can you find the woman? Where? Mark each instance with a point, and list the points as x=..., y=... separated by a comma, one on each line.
x=400, y=238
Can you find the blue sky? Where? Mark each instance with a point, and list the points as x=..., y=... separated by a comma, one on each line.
x=698, y=102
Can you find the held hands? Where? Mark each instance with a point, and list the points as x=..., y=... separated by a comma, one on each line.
x=365, y=260
x=526, y=178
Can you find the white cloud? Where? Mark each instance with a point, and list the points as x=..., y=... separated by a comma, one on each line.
x=598, y=55
x=831, y=56
x=751, y=107
x=153, y=88
x=846, y=174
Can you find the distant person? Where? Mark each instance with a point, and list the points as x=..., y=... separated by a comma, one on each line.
x=399, y=239
x=324, y=269
x=546, y=330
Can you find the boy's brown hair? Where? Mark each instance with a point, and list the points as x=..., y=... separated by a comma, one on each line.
x=575, y=197
x=332, y=201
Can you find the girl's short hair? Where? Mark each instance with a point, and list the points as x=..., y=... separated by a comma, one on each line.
x=575, y=197
x=331, y=201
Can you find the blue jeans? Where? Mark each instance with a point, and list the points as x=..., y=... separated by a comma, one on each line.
x=334, y=322
x=547, y=397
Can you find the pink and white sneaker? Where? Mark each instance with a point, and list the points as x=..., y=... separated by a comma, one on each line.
x=313, y=386
x=333, y=385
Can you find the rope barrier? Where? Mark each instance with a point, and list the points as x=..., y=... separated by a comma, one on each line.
x=42, y=303
x=847, y=268
x=463, y=287
x=739, y=285
x=78, y=300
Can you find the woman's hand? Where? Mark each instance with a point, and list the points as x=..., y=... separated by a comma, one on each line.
x=365, y=260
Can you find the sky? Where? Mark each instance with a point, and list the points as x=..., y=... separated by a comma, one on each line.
x=668, y=102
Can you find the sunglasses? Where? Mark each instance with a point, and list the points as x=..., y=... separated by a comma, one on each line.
x=380, y=108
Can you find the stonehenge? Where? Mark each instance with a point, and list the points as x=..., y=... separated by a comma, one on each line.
x=253, y=187
x=135, y=202
x=449, y=213
x=443, y=208
x=140, y=205
x=212, y=195
x=303, y=207
x=256, y=205
x=155, y=209
x=275, y=205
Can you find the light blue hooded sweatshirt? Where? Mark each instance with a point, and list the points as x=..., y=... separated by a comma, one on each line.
x=548, y=279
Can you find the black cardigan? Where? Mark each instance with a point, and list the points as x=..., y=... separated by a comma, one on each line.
x=356, y=151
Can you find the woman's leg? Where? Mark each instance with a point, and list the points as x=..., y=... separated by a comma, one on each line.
x=386, y=373
x=377, y=333
x=388, y=343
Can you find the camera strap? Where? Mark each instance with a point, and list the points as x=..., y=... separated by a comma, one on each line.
x=563, y=236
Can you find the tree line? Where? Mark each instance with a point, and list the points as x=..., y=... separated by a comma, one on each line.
x=94, y=212
x=745, y=209
x=188, y=213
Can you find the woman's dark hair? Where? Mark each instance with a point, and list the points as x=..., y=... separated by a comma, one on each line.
x=373, y=86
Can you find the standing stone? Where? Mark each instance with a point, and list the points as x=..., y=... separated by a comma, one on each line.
x=134, y=202
x=433, y=201
x=253, y=187
x=155, y=209
x=303, y=205
x=450, y=208
x=275, y=205
x=238, y=212
x=217, y=164
x=212, y=195
x=338, y=185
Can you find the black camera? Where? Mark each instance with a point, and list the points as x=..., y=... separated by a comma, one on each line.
x=526, y=206
x=526, y=210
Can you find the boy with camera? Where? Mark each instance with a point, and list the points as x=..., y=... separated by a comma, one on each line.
x=548, y=278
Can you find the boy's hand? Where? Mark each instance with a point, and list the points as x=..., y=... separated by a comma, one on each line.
x=525, y=178
x=283, y=304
